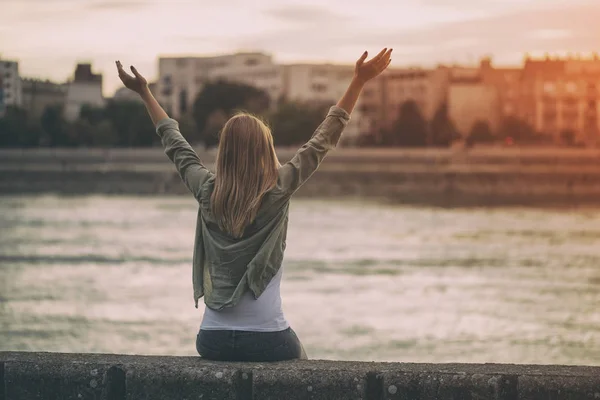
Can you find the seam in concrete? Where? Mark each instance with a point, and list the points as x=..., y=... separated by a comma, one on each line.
x=508, y=387
x=244, y=385
x=374, y=386
x=115, y=387
x=2, y=383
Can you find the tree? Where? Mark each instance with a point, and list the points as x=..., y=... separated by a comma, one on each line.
x=516, y=129
x=17, y=130
x=480, y=133
x=55, y=127
x=567, y=137
x=410, y=129
x=94, y=115
x=214, y=123
x=442, y=129
x=188, y=128
x=131, y=123
x=293, y=123
x=227, y=97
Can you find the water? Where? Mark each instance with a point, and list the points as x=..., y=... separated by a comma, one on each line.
x=362, y=281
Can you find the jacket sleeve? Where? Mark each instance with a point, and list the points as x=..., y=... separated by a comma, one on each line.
x=308, y=158
x=193, y=173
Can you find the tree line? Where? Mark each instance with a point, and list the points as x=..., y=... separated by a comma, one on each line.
x=126, y=123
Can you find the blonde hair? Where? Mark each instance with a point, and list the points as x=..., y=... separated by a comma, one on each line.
x=246, y=169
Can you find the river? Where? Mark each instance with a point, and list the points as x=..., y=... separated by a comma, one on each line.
x=362, y=280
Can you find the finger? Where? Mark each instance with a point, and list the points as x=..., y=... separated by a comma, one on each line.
x=135, y=72
x=362, y=58
x=386, y=64
x=122, y=73
x=378, y=56
x=385, y=58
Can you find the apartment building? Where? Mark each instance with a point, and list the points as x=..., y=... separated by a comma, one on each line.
x=38, y=95
x=472, y=99
x=180, y=79
x=382, y=97
x=561, y=96
x=10, y=85
x=84, y=89
x=507, y=82
x=323, y=84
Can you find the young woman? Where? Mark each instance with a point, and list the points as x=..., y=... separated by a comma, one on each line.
x=242, y=220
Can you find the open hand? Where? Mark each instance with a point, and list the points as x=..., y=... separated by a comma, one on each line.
x=365, y=71
x=137, y=83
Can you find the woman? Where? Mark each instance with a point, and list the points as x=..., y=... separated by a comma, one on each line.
x=242, y=221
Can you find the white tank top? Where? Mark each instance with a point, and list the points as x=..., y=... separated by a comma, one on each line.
x=264, y=314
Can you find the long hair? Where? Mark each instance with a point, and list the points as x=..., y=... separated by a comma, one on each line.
x=246, y=169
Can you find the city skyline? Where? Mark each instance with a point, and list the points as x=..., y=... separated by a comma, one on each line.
x=55, y=35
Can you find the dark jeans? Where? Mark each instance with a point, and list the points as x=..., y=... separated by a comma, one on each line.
x=227, y=345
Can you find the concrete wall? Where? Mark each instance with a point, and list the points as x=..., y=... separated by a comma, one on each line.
x=444, y=177
x=25, y=376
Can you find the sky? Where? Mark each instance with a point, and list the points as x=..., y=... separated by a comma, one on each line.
x=48, y=37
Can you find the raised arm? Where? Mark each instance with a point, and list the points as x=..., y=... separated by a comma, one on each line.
x=188, y=164
x=308, y=158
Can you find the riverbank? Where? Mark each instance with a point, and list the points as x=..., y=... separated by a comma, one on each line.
x=444, y=177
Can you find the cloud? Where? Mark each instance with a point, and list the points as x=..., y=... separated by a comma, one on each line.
x=109, y=5
x=310, y=14
x=499, y=34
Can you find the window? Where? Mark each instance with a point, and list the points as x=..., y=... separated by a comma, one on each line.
x=251, y=61
x=183, y=101
x=319, y=87
x=549, y=87
x=181, y=62
x=167, y=79
x=571, y=87
x=570, y=102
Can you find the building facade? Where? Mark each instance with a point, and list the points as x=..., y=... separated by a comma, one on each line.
x=38, y=95
x=383, y=97
x=180, y=79
x=10, y=85
x=84, y=89
x=323, y=84
x=561, y=97
x=472, y=99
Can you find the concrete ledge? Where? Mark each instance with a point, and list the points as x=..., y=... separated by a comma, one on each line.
x=25, y=376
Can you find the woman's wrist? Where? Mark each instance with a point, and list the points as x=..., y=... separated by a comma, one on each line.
x=145, y=92
x=358, y=82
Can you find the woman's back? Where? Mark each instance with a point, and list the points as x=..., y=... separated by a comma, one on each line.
x=242, y=220
x=264, y=314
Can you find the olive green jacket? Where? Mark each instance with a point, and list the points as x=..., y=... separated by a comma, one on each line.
x=223, y=268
